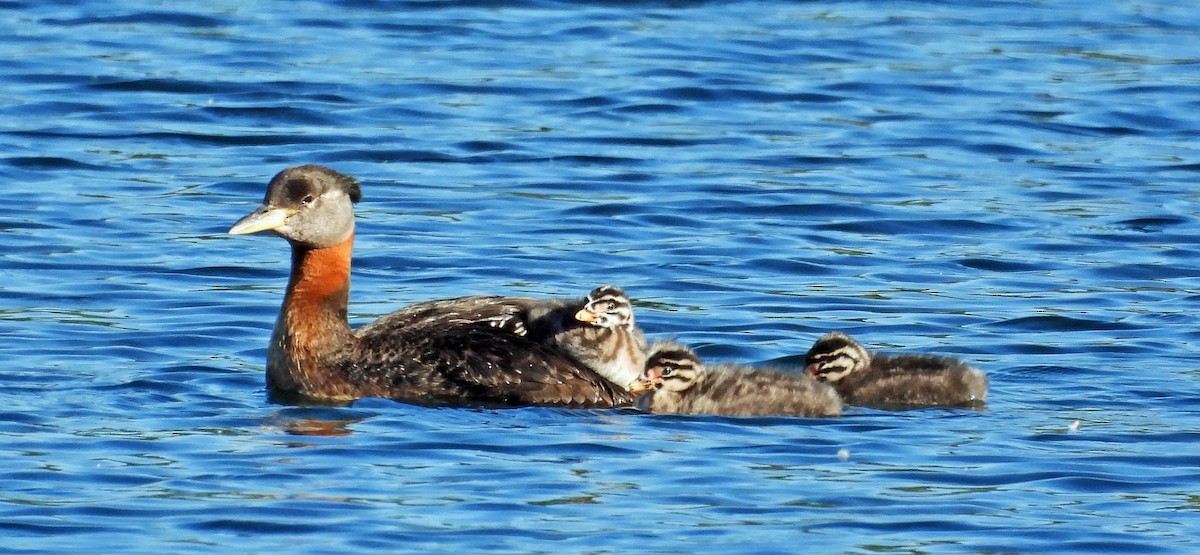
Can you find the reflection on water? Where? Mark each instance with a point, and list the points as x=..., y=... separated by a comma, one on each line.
x=310, y=423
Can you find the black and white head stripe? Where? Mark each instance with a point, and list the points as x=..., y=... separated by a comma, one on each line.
x=609, y=306
x=834, y=356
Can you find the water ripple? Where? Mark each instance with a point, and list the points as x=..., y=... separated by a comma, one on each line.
x=1004, y=182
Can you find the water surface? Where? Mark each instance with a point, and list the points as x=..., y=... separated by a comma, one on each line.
x=1007, y=182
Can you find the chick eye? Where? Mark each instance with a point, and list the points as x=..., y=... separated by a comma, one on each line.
x=667, y=371
x=307, y=200
x=610, y=306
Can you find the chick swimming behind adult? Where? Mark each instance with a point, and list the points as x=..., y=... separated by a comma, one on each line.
x=893, y=381
x=676, y=381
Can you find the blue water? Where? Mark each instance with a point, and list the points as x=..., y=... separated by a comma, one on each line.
x=1009, y=182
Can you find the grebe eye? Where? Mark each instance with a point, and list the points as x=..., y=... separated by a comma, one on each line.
x=667, y=371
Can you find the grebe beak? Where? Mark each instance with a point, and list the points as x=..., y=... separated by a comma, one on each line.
x=261, y=220
x=585, y=316
x=641, y=385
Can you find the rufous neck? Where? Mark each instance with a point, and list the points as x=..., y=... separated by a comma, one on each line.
x=319, y=287
x=312, y=330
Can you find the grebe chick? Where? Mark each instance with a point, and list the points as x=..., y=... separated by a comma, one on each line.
x=438, y=352
x=883, y=380
x=598, y=331
x=604, y=337
x=677, y=382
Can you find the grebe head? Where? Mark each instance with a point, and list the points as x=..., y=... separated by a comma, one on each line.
x=310, y=206
x=607, y=307
x=834, y=356
x=671, y=367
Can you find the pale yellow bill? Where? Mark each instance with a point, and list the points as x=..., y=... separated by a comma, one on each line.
x=261, y=220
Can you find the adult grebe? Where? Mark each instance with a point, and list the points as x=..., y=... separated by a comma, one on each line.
x=437, y=352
